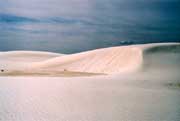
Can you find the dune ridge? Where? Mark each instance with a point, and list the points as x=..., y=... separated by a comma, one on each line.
x=108, y=60
x=112, y=60
x=19, y=60
x=28, y=55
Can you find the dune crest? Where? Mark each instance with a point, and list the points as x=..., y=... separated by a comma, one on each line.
x=108, y=60
x=112, y=60
x=19, y=60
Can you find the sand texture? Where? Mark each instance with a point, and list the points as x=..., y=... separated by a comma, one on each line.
x=113, y=60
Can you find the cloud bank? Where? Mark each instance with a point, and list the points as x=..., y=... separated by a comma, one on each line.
x=78, y=25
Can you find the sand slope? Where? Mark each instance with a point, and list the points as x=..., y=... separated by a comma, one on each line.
x=31, y=56
x=108, y=60
x=119, y=59
x=18, y=60
x=161, y=56
x=114, y=60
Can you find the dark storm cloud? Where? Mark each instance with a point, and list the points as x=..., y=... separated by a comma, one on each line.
x=5, y=18
x=76, y=25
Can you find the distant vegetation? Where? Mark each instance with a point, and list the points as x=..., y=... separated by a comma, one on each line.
x=176, y=85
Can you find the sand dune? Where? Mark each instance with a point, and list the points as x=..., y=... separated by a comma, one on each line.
x=160, y=56
x=106, y=60
x=112, y=60
x=118, y=59
x=31, y=56
x=135, y=74
x=18, y=60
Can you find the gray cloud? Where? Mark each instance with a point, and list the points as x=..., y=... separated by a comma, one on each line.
x=76, y=25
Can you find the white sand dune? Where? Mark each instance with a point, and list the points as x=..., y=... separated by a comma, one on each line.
x=31, y=56
x=118, y=59
x=150, y=93
x=18, y=60
x=106, y=60
x=113, y=60
x=161, y=56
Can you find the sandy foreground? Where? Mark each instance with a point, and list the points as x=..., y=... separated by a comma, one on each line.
x=129, y=83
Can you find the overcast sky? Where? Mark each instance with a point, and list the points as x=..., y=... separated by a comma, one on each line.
x=70, y=26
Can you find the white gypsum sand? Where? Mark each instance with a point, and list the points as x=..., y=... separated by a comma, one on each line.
x=142, y=83
x=19, y=60
x=113, y=60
